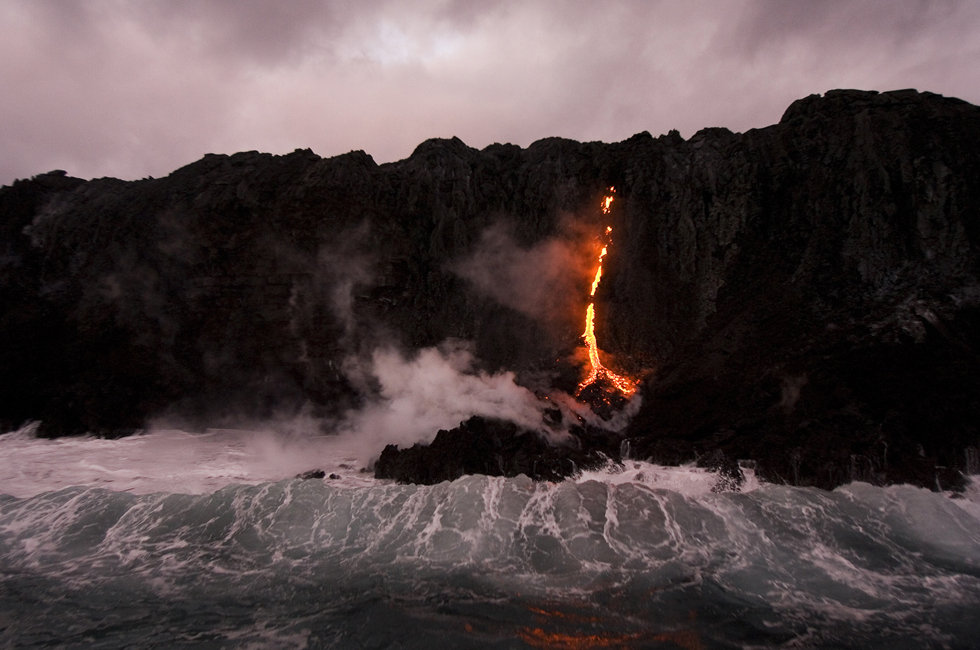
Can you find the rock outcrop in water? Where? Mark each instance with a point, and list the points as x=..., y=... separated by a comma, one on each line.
x=495, y=448
x=804, y=295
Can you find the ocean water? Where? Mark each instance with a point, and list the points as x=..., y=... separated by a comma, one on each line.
x=173, y=539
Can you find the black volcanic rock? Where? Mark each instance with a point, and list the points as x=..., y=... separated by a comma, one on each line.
x=312, y=474
x=805, y=295
x=823, y=296
x=495, y=448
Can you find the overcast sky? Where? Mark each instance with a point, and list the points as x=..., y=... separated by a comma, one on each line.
x=135, y=88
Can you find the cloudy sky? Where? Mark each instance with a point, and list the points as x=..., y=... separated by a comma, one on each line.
x=131, y=88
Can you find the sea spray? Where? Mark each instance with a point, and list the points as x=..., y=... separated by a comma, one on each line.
x=634, y=555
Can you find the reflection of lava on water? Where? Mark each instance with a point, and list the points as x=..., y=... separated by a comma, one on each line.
x=598, y=373
x=567, y=627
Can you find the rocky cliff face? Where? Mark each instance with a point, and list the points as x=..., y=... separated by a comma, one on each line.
x=804, y=295
x=827, y=314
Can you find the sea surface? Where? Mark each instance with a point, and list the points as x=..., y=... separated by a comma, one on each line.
x=176, y=539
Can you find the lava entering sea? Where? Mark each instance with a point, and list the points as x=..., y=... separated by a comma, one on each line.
x=598, y=373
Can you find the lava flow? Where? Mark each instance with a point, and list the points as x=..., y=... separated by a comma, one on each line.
x=598, y=371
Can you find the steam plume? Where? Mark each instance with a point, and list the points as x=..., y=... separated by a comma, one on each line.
x=536, y=281
x=435, y=389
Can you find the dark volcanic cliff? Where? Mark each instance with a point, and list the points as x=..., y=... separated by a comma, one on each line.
x=805, y=294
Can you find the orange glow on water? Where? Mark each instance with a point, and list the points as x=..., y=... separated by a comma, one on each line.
x=562, y=628
x=539, y=638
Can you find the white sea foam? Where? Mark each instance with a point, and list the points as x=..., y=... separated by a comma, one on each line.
x=625, y=550
x=176, y=461
x=171, y=461
x=685, y=479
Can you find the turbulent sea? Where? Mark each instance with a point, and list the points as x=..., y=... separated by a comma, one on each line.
x=171, y=539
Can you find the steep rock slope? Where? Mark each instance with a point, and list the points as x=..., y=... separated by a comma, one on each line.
x=830, y=273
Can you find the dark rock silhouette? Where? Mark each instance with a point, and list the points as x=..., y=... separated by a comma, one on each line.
x=495, y=448
x=312, y=474
x=804, y=295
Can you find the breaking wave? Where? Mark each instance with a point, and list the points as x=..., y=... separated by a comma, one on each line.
x=609, y=560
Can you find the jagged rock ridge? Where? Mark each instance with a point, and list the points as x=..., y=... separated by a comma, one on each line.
x=804, y=294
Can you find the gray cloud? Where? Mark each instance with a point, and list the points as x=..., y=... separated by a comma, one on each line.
x=135, y=88
x=838, y=23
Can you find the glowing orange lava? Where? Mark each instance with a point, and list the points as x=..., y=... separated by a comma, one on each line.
x=623, y=384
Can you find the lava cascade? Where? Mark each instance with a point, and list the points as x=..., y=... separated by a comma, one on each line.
x=598, y=371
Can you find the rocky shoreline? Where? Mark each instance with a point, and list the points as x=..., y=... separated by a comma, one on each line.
x=804, y=295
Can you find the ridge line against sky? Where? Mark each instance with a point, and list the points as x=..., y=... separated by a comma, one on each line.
x=130, y=89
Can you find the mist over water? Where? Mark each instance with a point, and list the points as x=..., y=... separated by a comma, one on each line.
x=168, y=460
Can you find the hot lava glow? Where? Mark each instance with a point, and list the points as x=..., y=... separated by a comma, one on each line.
x=623, y=384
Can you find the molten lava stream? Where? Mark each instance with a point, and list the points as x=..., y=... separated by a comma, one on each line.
x=598, y=371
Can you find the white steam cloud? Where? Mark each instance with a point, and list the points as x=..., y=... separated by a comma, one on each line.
x=414, y=396
x=435, y=389
x=438, y=388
